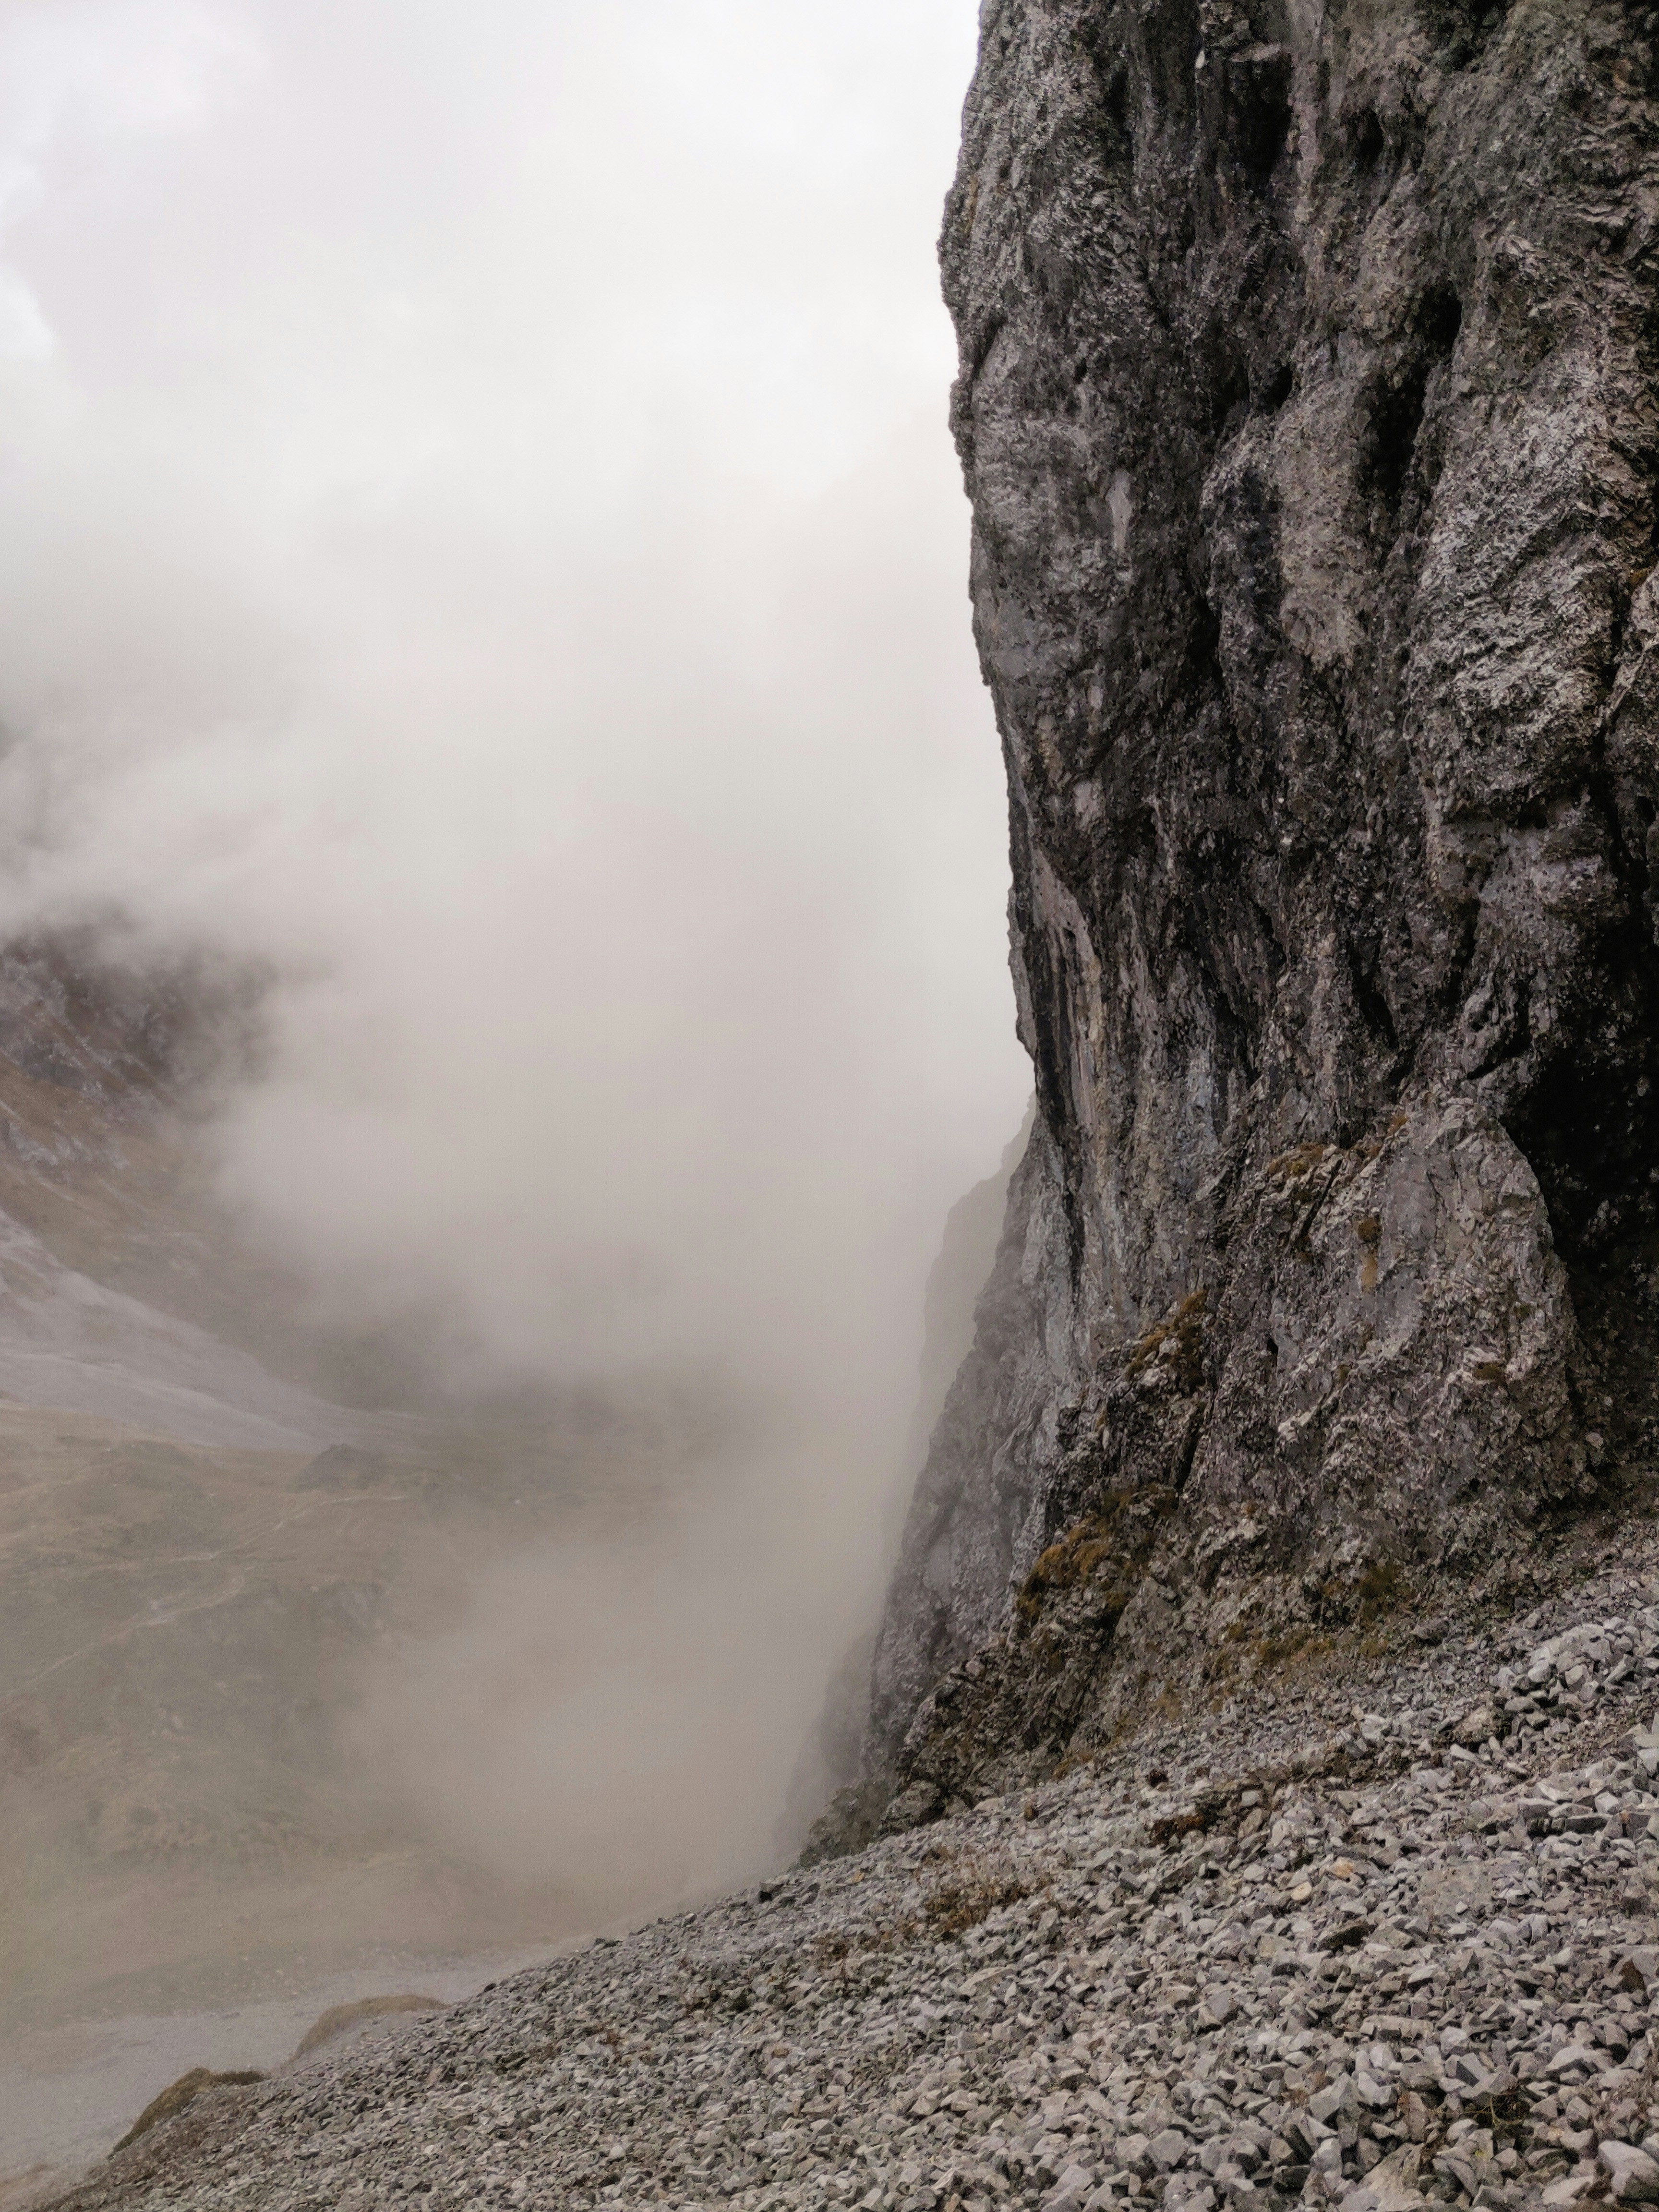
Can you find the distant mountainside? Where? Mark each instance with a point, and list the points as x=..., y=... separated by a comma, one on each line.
x=202, y=1552
x=831, y=1764
x=967, y=1254
x=123, y=1290
x=108, y=1074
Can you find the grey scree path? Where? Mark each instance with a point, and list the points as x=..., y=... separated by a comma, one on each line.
x=1344, y=1946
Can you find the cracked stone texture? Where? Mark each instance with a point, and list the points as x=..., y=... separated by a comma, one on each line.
x=1308, y=409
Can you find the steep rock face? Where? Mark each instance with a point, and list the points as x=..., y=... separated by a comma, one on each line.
x=1308, y=408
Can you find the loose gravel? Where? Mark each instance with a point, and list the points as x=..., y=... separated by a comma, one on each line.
x=1383, y=1940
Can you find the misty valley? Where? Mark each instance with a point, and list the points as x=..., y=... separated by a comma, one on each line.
x=220, y=1773
x=328, y=1668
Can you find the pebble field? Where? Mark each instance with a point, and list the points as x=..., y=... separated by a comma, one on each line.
x=1381, y=1940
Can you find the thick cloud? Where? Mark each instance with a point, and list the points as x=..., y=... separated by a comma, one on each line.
x=481, y=540
x=482, y=536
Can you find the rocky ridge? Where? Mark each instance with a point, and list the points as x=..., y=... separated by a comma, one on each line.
x=1308, y=409
x=1379, y=1936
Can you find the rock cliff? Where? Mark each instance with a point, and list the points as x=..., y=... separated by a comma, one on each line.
x=1308, y=409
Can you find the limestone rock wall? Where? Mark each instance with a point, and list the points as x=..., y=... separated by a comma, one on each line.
x=1308, y=408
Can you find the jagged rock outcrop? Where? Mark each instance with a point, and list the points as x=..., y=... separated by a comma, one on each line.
x=1308, y=408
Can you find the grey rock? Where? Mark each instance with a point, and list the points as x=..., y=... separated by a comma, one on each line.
x=1569, y=2188
x=1305, y=384
x=1325, y=2103
x=1392, y=2181
x=1306, y=2131
x=1133, y=2153
x=1633, y=2175
x=1167, y=2148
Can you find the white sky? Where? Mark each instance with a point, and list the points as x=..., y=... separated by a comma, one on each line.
x=479, y=531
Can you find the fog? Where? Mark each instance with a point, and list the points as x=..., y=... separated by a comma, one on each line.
x=483, y=552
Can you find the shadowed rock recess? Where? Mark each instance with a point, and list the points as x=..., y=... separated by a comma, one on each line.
x=1308, y=409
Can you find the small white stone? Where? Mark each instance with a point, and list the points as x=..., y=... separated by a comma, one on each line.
x=1634, y=2175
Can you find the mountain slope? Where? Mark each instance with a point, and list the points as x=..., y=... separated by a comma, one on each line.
x=1375, y=1941
x=67, y=1341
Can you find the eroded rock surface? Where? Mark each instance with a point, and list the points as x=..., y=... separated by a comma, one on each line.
x=1308, y=409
